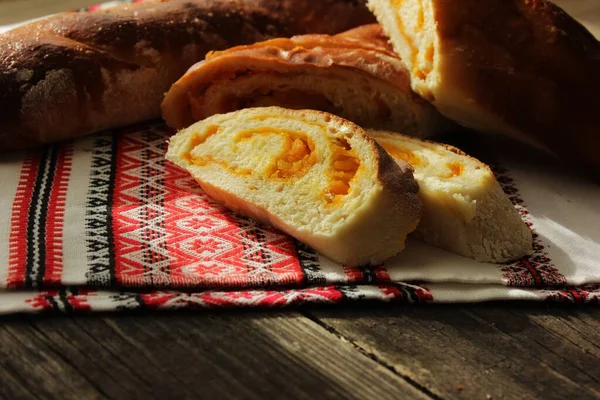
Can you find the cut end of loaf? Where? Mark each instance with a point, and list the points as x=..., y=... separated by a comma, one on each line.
x=314, y=175
x=412, y=29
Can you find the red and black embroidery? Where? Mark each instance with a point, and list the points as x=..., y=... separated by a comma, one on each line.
x=587, y=294
x=141, y=256
x=98, y=219
x=309, y=262
x=412, y=293
x=367, y=274
x=36, y=237
x=66, y=300
x=538, y=269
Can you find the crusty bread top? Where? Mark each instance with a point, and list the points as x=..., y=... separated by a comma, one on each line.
x=362, y=50
x=148, y=44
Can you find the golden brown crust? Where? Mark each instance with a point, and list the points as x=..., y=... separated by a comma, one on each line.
x=368, y=34
x=398, y=176
x=283, y=55
x=79, y=72
x=344, y=74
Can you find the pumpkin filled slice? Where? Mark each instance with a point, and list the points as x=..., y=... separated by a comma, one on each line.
x=355, y=75
x=464, y=208
x=313, y=175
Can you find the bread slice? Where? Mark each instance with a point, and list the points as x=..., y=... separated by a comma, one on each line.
x=464, y=208
x=355, y=75
x=314, y=175
x=519, y=68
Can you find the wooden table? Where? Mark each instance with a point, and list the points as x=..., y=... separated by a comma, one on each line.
x=427, y=352
x=498, y=351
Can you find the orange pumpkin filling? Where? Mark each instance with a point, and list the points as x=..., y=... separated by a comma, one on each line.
x=198, y=139
x=456, y=169
x=414, y=49
x=208, y=159
x=401, y=153
x=293, y=161
x=296, y=158
x=344, y=165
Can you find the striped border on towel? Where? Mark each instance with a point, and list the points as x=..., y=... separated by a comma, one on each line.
x=36, y=231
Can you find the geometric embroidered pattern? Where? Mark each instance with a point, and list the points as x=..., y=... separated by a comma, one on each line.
x=36, y=231
x=98, y=216
x=68, y=300
x=168, y=233
x=148, y=226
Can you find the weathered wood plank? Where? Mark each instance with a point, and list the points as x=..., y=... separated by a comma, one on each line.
x=581, y=329
x=30, y=365
x=503, y=351
x=232, y=355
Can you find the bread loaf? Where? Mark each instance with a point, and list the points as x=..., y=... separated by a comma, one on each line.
x=314, y=175
x=522, y=68
x=464, y=208
x=355, y=75
x=76, y=73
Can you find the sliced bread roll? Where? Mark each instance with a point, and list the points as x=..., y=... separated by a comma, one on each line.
x=464, y=208
x=520, y=68
x=314, y=175
x=355, y=75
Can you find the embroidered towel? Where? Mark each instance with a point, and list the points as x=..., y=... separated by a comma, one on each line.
x=106, y=223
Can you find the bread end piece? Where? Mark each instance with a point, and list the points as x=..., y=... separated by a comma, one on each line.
x=464, y=208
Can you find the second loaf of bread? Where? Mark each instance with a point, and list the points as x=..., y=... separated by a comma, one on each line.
x=76, y=73
x=355, y=75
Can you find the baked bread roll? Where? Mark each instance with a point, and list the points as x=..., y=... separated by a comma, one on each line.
x=355, y=75
x=464, y=208
x=314, y=175
x=522, y=68
x=76, y=73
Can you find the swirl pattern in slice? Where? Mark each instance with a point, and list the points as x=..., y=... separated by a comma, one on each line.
x=314, y=175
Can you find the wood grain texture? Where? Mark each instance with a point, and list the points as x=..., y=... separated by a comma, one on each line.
x=502, y=351
x=232, y=355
